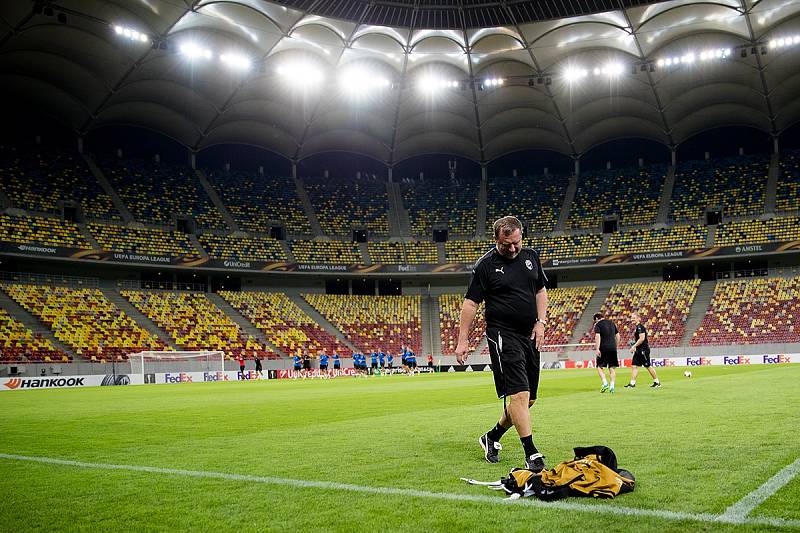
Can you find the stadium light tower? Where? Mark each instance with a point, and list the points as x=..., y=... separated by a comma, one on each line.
x=194, y=51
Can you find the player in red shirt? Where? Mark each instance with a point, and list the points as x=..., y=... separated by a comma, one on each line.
x=240, y=358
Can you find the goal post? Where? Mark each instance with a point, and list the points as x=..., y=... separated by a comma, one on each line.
x=155, y=362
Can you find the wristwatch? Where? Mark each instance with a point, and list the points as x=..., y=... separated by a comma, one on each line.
x=540, y=321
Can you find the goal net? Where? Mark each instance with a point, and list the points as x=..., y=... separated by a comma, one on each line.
x=156, y=362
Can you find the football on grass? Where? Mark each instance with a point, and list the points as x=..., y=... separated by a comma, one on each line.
x=688, y=373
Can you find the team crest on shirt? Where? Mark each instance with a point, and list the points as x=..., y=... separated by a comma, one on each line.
x=529, y=264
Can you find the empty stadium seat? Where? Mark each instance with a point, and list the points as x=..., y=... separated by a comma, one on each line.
x=373, y=322
x=787, y=194
x=442, y=201
x=20, y=344
x=326, y=252
x=40, y=179
x=241, y=248
x=85, y=320
x=663, y=306
x=39, y=230
x=284, y=324
x=535, y=200
x=342, y=203
x=196, y=324
x=632, y=193
x=752, y=311
x=739, y=232
x=655, y=240
x=142, y=240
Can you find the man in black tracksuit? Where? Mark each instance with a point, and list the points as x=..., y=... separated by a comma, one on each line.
x=510, y=279
x=641, y=353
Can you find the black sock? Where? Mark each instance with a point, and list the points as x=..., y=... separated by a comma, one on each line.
x=497, y=432
x=527, y=445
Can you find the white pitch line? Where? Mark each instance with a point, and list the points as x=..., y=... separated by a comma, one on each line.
x=742, y=508
x=332, y=485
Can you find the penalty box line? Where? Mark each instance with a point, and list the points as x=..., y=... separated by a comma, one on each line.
x=413, y=493
x=742, y=508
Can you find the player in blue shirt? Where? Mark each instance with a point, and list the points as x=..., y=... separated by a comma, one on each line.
x=390, y=361
x=336, y=363
x=373, y=359
x=296, y=360
x=411, y=362
x=323, y=364
x=382, y=358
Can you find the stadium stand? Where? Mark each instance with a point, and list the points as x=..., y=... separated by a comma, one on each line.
x=536, y=200
x=373, y=322
x=43, y=231
x=466, y=252
x=155, y=192
x=389, y=253
x=85, y=320
x=737, y=184
x=284, y=324
x=241, y=248
x=633, y=194
x=758, y=231
x=343, y=203
x=449, y=319
x=19, y=344
x=558, y=247
x=196, y=324
x=421, y=252
x=657, y=240
x=254, y=201
x=37, y=180
x=439, y=201
x=565, y=308
x=663, y=305
x=752, y=311
x=141, y=240
x=787, y=196
x=326, y=252
x=403, y=253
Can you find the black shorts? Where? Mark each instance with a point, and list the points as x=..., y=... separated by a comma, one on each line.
x=337, y=366
x=374, y=365
x=323, y=367
x=515, y=363
x=607, y=359
x=641, y=358
x=297, y=369
x=306, y=366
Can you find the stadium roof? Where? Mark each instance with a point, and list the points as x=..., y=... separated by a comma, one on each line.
x=330, y=75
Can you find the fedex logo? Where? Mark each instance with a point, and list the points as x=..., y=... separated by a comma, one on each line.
x=214, y=376
x=177, y=378
x=738, y=360
x=662, y=362
x=776, y=359
x=697, y=361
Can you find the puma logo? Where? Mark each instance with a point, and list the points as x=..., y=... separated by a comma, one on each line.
x=499, y=270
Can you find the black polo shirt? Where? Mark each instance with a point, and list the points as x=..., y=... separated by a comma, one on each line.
x=640, y=330
x=608, y=331
x=509, y=287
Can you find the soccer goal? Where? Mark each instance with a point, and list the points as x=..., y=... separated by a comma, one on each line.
x=154, y=362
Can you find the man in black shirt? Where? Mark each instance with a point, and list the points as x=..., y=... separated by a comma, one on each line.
x=606, y=339
x=510, y=279
x=641, y=353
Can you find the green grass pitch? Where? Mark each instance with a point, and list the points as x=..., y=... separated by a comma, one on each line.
x=696, y=446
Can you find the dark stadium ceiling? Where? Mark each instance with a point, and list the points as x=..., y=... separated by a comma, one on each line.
x=318, y=83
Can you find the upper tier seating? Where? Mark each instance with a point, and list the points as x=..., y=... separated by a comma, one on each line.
x=752, y=311
x=442, y=201
x=141, y=241
x=657, y=240
x=663, y=305
x=758, y=231
x=373, y=322
x=85, y=320
x=403, y=253
x=155, y=192
x=43, y=231
x=565, y=246
x=341, y=204
x=254, y=201
x=284, y=324
x=242, y=248
x=326, y=252
x=466, y=252
x=196, y=324
x=536, y=200
x=37, y=180
x=736, y=184
x=787, y=197
x=20, y=344
x=633, y=194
